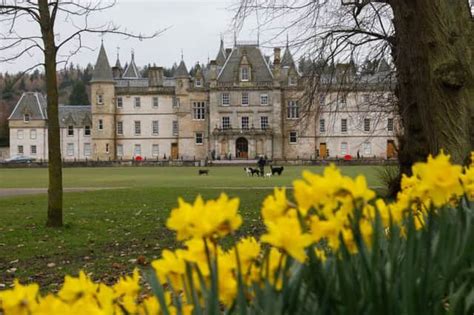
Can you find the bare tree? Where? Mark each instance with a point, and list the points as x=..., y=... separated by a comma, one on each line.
x=432, y=46
x=43, y=16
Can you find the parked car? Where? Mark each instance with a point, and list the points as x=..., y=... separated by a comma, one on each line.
x=20, y=159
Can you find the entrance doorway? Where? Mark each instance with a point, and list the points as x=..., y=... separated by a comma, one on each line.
x=390, y=149
x=323, y=152
x=174, y=151
x=241, y=148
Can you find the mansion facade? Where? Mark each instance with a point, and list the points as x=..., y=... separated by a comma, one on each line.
x=241, y=105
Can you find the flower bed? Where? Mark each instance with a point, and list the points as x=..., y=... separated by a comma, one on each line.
x=333, y=248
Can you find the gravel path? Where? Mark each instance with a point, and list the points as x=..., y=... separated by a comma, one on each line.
x=10, y=192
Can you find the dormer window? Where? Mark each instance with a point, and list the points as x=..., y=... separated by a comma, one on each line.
x=198, y=82
x=100, y=99
x=292, y=81
x=26, y=117
x=244, y=73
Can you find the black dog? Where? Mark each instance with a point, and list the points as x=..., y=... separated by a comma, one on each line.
x=203, y=172
x=277, y=170
x=251, y=171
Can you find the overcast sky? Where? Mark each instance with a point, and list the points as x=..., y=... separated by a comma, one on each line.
x=194, y=27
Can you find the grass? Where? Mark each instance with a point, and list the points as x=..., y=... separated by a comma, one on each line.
x=106, y=230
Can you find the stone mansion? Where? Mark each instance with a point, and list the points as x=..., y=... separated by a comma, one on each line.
x=241, y=105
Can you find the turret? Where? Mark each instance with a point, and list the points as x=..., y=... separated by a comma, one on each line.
x=103, y=108
x=182, y=77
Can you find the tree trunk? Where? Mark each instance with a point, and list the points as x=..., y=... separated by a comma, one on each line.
x=55, y=189
x=435, y=61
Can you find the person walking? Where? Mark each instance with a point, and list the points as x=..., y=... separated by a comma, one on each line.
x=261, y=166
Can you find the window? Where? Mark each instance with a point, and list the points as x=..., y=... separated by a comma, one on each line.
x=367, y=148
x=176, y=102
x=175, y=128
x=344, y=125
x=70, y=149
x=19, y=134
x=87, y=130
x=155, y=150
x=138, y=102
x=263, y=99
x=101, y=124
x=322, y=125
x=137, y=150
x=344, y=148
x=225, y=99
x=199, y=138
x=245, y=99
x=119, y=149
x=100, y=99
x=293, y=111
x=120, y=127
x=322, y=99
x=245, y=122
x=244, y=73
x=293, y=137
x=20, y=150
x=155, y=127
x=138, y=127
x=390, y=124
x=155, y=102
x=342, y=100
x=33, y=134
x=119, y=102
x=26, y=117
x=264, y=122
x=33, y=150
x=70, y=131
x=366, y=124
x=87, y=149
x=292, y=80
x=107, y=148
x=199, y=110
x=225, y=122
x=198, y=82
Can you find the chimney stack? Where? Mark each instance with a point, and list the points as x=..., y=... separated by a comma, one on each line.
x=213, y=73
x=276, y=55
x=155, y=76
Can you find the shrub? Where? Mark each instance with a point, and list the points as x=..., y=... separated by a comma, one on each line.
x=333, y=249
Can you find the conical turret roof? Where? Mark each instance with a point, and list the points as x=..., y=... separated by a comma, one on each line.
x=102, y=71
x=287, y=60
x=181, y=71
x=221, y=57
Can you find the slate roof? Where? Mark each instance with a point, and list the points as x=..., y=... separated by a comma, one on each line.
x=75, y=115
x=102, y=71
x=32, y=103
x=181, y=71
x=260, y=69
x=131, y=72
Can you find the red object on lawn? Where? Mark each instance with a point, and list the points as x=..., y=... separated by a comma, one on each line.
x=347, y=157
x=138, y=158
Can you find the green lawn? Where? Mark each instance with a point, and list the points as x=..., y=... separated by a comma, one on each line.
x=104, y=230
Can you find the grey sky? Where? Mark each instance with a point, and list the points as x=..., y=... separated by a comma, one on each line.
x=195, y=26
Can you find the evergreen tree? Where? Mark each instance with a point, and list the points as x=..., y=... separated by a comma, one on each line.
x=79, y=94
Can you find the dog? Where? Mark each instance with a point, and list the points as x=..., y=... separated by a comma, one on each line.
x=251, y=171
x=268, y=175
x=203, y=172
x=277, y=170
